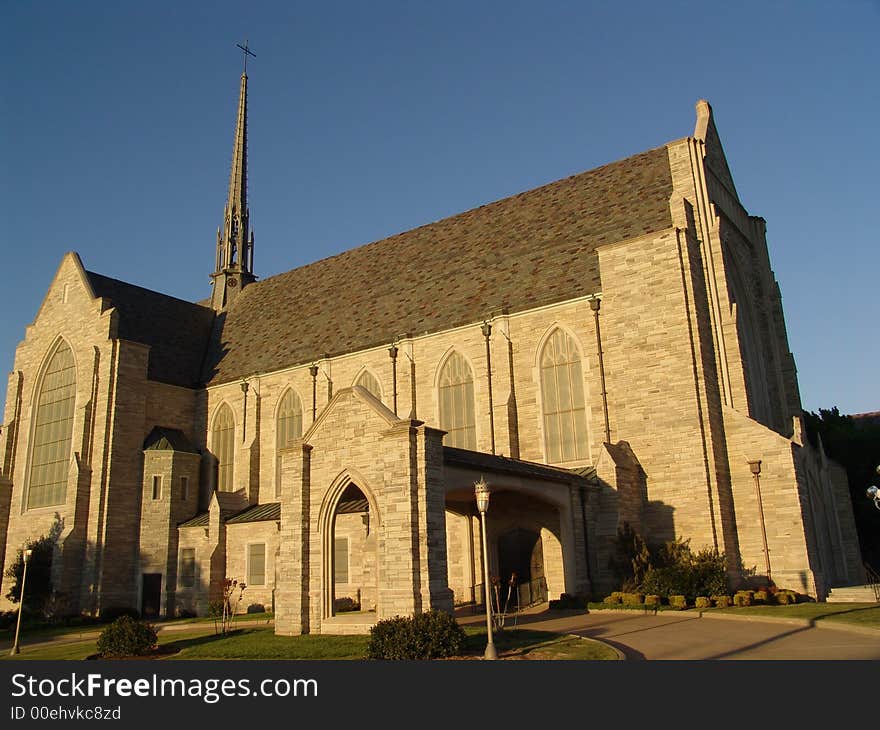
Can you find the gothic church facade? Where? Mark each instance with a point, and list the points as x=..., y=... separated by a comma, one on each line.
x=606, y=350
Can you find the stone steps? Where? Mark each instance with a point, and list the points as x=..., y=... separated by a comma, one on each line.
x=852, y=594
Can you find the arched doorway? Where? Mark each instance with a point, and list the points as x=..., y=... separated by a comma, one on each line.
x=521, y=567
x=353, y=567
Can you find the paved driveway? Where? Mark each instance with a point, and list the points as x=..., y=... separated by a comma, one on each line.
x=671, y=635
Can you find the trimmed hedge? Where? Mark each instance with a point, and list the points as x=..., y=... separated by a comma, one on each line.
x=127, y=637
x=761, y=597
x=721, y=601
x=653, y=600
x=429, y=635
x=702, y=602
x=613, y=598
x=633, y=599
x=742, y=598
x=679, y=602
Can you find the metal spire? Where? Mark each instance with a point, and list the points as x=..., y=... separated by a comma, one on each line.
x=235, y=241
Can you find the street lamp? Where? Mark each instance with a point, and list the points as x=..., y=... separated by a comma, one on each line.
x=26, y=556
x=481, y=491
x=874, y=493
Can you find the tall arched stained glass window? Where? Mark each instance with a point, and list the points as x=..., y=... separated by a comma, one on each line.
x=288, y=428
x=53, y=431
x=562, y=390
x=223, y=445
x=457, y=403
x=368, y=382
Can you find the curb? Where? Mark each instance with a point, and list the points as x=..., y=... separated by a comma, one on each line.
x=621, y=657
x=805, y=622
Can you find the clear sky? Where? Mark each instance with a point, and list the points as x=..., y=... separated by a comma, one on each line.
x=371, y=118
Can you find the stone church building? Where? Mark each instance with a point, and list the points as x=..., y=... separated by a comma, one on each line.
x=605, y=350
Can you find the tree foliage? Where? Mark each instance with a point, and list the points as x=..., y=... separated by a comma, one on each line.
x=854, y=443
x=38, y=597
x=671, y=568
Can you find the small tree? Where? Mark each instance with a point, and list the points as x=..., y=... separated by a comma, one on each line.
x=38, y=592
x=232, y=593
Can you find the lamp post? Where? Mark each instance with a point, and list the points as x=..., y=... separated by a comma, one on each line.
x=481, y=491
x=874, y=492
x=26, y=556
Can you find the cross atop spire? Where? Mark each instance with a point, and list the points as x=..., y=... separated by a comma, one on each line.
x=247, y=52
x=235, y=240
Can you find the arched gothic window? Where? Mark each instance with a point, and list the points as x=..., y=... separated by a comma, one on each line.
x=223, y=444
x=368, y=382
x=288, y=428
x=53, y=431
x=562, y=390
x=457, y=403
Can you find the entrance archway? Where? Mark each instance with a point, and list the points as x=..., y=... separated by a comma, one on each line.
x=352, y=566
x=521, y=567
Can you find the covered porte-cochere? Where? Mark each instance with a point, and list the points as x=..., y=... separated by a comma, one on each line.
x=537, y=527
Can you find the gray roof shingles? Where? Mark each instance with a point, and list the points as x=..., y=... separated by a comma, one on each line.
x=525, y=251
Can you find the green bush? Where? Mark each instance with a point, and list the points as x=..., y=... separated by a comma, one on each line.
x=653, y=600
x=786, y=597
x=702, y=602
x=127, y=637
x=429, y=635
x=675, y=569
x=721, y=601
x=633, y=599
x=614, y=598
x=760, y=597
x=742, y=598
x=679, y=602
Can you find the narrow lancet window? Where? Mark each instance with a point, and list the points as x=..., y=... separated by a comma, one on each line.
x=223, y=444
x=562, y=390
x=457, y=403
x=288, y=428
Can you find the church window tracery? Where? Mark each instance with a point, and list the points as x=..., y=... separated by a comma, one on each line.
x=562, y=391
x=457, y=403
x=53, y=431
x=288, y=429
x=223, y=443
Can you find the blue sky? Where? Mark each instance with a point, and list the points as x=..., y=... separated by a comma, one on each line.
x=367, y=119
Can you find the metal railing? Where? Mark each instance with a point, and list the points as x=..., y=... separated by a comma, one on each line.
x=873, y=580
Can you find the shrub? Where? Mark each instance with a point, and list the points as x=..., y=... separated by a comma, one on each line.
x=653, y=600
x=613, y=598
x=429, y=635
x=702, y=602
x=633, y=599
x=675, y=569
x=761, y=597
x=111, y=613
x=742, y=598
x=721, y=601
x=127, y=637
x=679, y=602
x=568, y=601
x=786, y=597
x=256, y=608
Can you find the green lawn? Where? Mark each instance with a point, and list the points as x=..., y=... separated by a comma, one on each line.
x=862, y=614
x=262, y=643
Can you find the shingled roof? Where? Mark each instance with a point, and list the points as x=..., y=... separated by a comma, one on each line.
x=529, y=250
x=176, y=331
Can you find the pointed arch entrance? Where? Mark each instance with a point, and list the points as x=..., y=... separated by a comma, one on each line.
x=349, y=522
